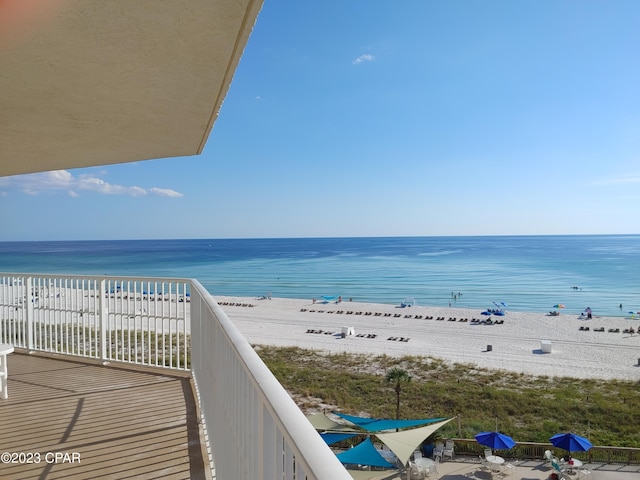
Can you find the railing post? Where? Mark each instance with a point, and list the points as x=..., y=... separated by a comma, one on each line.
x=104, y=319
x=28, y=312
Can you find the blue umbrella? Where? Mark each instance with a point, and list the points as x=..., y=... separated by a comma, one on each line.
x=495, y=440
x=570, y=442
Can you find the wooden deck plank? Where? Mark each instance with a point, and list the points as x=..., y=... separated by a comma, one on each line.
x=124, y=422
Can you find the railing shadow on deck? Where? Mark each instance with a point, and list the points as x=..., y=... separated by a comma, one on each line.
x=80, y=419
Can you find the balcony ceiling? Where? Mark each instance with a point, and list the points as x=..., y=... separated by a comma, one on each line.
x=96, y=82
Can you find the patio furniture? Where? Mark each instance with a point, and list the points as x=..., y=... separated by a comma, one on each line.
x=495, y=462
x=507, y=469
x=560, y=471
x=438, y=451
x=548, y=457
x=432, y=470
x=571, y=465
x=448, y=450
x=484, y=465
x=415, y=472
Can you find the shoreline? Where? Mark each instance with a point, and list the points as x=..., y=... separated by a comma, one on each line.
x=378, y=329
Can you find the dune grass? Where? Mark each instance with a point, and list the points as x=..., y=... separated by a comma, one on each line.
x=528, y=408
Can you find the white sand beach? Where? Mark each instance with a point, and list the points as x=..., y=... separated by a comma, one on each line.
x=515, y=344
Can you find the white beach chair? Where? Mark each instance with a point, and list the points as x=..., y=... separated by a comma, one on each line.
x=484, y=464
x=432, y=470
x=548, y=457
x=437, y=452
x=487, y=452
x=507, y=469
x=448, y=450
x=414, y=472
x=561, y=471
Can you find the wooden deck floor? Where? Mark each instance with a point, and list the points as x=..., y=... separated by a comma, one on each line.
x=121, y=422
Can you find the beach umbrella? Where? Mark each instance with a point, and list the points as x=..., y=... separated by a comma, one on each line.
x=570, y=442
x=587, y=310
x=558, y=305
x=495, y=440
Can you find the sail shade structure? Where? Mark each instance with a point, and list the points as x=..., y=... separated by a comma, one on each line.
x=321, y=422
x=330, y=438
x=364, y=454
x=404, y=443
x=380, y=424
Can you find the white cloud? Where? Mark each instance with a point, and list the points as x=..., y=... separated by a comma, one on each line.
x=165, y=192
x=63, y=180
x=367, y=57
x=622, y=180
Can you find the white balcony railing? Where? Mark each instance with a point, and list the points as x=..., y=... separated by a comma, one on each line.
x=255, y=430
x=143, y=321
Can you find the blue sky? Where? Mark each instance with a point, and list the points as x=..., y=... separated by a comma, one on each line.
x=378, y=118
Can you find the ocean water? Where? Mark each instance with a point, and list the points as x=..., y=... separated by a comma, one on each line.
x=527, y=273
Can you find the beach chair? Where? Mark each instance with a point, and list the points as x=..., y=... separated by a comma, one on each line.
x=448, y=450
x=559, y=470
x=507, y=469
x=414, y=472
x=432, y=470
x=548, y=457
x=437, y=452
x=484, y=464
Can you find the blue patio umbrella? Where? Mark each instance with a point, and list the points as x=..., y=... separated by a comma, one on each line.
x=570, y=442
x=495, y=440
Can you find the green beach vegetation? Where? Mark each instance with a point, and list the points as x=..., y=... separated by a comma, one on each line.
x=528, y=408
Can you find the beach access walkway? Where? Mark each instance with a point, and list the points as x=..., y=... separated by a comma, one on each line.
x=80, y=419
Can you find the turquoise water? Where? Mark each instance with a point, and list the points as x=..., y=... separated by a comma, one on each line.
x=528, y=273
